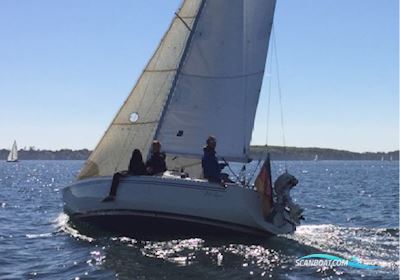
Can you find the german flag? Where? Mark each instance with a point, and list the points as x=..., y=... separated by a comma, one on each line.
x=263, y=185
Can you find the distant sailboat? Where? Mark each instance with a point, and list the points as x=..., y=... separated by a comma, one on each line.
x=316, y=158
x=13, y=155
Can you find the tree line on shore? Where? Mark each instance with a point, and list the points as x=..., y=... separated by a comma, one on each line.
x=256, y=152
x=296, y=153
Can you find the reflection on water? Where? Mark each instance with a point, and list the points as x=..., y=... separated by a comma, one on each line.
x=273, y=257
x=351, y=209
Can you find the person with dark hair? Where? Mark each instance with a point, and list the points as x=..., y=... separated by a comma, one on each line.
x=156, y=163
x=136, y=165
x=211, y=167
x=136, y=168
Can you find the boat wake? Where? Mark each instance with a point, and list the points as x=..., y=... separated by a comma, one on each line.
x=377, y=246
x=62, y=225
x=268, y=257
x=39, y=235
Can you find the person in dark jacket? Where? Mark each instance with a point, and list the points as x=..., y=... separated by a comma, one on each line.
x=211, y=167
x=136, y=165
x=156, y=163
x=136, y=168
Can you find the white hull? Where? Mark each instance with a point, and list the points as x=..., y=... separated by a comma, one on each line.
x=171, y=205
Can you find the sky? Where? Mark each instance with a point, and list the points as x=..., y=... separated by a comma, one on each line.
x=67, y=66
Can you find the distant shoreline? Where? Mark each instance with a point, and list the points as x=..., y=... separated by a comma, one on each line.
x=256, y=152
x=296, y=153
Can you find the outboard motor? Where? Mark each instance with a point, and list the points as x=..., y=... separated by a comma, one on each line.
x=286, y=209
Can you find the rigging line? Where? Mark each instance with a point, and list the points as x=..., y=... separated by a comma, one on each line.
x=230, y=169
x=184, y=22
x=245, y=60
x=280, y=94
x=270, y=69
x=254, y=172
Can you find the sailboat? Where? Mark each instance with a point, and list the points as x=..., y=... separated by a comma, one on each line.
x=204, y=79
x=13, y=155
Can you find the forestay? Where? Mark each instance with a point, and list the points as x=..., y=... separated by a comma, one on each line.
x=218, y=86
x=135, y=124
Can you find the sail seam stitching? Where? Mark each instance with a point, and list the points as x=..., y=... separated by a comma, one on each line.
x=133, y=124
x=222, y=77
x=162, y=70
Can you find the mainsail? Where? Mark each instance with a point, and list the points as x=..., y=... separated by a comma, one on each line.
x=13, y=155
x=204, y=78
x=219, y=84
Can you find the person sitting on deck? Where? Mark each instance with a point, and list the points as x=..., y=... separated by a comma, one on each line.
x=155, y=165
x=211, y=167
x=136, y=168
x=136, y=165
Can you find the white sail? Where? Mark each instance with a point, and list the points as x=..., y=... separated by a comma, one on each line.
x=204, y=78
x=218, y=87
x=13, y=155
x=146, y=101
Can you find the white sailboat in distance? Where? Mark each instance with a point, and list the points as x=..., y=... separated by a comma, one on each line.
x=204, y=79
x=13, y=155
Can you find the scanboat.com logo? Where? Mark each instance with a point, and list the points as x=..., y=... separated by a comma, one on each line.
x=330, y=260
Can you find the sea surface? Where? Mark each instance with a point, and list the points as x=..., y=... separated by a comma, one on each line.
x=351, y=210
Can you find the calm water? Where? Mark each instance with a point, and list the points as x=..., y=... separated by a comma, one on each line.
x=351, y=209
